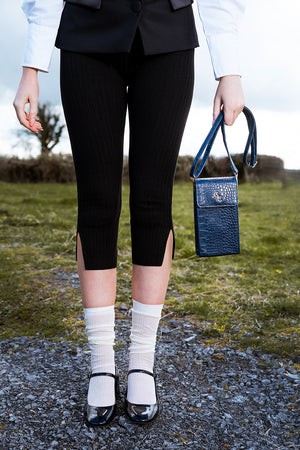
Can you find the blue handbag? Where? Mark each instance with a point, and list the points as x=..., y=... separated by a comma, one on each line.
x=216, y=199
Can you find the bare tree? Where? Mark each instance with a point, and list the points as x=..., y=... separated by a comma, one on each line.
x=52, y=129
x=50, y=136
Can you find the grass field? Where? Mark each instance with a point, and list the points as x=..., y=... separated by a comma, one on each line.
x=251, y=299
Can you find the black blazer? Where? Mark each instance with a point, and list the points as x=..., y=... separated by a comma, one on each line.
x=109, y=26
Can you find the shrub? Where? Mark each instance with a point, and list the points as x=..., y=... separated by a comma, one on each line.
x=44, y=168
x=60, y=169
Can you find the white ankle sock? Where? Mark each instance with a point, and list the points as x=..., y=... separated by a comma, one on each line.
x=145, y=319
x=100, y=331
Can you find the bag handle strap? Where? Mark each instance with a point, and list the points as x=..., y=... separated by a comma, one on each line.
x=210, y=138
x=252, y=139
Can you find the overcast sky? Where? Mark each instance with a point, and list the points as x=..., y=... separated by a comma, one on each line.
x=270, y=42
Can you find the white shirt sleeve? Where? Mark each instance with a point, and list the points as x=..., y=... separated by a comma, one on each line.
x=220, y=20
x=43, y=21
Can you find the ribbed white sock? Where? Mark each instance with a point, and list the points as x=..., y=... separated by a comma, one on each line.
x=145, y=319
x=100, y=323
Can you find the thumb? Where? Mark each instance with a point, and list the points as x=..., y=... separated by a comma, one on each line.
x=33, y=112
x=229, y=115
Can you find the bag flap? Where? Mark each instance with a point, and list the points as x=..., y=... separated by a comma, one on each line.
x=216, y=192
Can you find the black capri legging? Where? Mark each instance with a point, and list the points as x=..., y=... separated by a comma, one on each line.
x=96, y=90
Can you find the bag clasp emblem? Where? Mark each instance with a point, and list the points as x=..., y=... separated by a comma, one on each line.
x=217, y=197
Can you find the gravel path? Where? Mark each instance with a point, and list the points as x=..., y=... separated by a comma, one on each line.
x=211, y=397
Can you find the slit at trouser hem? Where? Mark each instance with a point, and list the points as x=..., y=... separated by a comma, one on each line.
x=159, y=100
x=154, y=259
x=91, y=248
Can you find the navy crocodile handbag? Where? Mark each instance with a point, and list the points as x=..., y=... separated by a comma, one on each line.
x=216, y=199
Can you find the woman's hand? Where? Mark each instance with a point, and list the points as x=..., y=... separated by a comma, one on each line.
x=28, y=92
x=229, y=95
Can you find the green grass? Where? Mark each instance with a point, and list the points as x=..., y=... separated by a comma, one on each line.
x=251, y=299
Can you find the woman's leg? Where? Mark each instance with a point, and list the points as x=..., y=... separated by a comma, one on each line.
x=149, y=283
x=98, y=287
x=94, y=101
x=159, y=99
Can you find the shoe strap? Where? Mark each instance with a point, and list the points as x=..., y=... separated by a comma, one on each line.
x=141, y=370
x=100, y=374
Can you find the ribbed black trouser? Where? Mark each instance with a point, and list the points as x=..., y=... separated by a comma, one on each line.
x=96, y=90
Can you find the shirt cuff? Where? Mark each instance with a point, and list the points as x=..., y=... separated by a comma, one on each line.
x=224, y=53
x=39, y=46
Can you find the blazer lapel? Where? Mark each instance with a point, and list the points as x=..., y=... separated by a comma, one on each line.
x=176, y=4
x=95, y=4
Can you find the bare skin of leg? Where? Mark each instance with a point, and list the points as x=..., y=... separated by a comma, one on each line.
x=98, y=287
x=149, y=283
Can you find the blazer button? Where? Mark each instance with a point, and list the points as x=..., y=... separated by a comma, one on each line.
x=136, y=5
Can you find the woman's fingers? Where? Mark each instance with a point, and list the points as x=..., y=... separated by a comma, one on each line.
x=35, y=123
x=24, y=117
x=28, y=92
x=217, y=107
x=20, y=110
x=229, y=95
x=230, y=114
x=33, y=111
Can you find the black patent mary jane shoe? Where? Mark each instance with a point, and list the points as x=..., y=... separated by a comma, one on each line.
x=97, y=416
x=141, y=413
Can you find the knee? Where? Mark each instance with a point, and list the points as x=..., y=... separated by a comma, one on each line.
x=150, y=212
x=100, y=211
